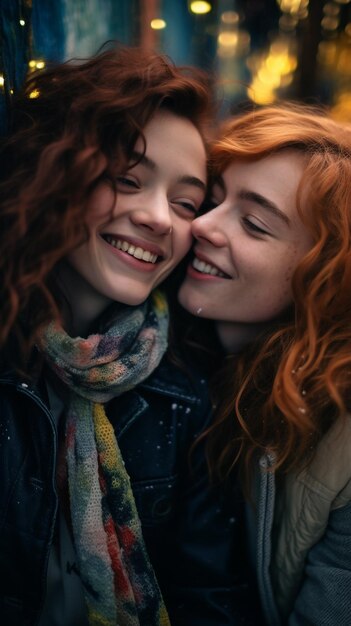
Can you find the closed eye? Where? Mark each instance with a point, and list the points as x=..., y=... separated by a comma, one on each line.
x=185, y=207
x=253, y=227
x=126, y=182
x=188, y=205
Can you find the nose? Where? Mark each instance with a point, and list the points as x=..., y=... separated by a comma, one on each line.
x=210, y=227
x=154, y=214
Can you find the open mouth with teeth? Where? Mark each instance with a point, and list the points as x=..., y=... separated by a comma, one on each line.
x=207, y=268
x=136, y=251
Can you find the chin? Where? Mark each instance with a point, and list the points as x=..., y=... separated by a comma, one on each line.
x=132, y=300
x=188, y=302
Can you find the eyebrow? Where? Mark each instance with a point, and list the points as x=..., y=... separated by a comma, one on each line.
x=268, y=205
x=151, y=165
x=144, y=160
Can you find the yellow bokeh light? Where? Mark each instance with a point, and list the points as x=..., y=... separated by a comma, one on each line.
x=289, y=6
x=330, y=23
x=158, y=24
x=272, y=72
x=34, y=94
x=298, y=8
x=260, y=94
x=268, y=78
x=36, y=64
x=237, y=44
x=200, y=7
x=228, y=39
x=281, y=64
x=22, y=22
x=230, y=17
x=341, y=111
x=2, y=80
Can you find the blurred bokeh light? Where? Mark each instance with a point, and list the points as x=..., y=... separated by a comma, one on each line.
x=261, y=51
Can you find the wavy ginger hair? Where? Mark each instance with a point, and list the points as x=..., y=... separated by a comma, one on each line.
x=292, y=383
x=80, y=129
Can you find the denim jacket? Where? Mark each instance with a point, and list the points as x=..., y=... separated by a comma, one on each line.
x=193, y=537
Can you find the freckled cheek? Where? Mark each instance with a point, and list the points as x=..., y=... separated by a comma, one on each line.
x=288, y=275
x=285, y=297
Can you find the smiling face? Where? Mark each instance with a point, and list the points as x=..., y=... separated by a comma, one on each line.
x=248, y=247
x=133, y=247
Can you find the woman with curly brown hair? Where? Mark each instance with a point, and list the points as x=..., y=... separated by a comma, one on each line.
x=272, y=267
x=102, y=174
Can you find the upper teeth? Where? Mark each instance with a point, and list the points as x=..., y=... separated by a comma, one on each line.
x=136, y=251
x=206, y=268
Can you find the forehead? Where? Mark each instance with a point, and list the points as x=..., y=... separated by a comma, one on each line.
x=288, y=162
x=177, y=136
x=277, y=175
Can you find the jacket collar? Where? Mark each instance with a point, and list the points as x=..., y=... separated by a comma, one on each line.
x=171, y=381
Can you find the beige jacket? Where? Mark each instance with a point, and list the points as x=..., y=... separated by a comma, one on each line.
x=301, y=519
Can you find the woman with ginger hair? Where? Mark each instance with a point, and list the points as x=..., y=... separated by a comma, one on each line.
x=272, y=268
x=102, y=174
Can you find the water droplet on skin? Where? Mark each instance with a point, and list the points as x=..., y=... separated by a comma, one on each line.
x=199, y=310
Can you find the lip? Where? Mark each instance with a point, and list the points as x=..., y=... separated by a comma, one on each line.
x=202, y=257
x=193, y=273
x=131, y=261
x=141, y=243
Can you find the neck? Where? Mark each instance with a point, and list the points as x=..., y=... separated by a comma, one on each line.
x=235, y=336
x=82, y=305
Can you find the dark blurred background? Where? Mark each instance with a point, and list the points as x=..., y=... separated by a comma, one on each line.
x=261, y=50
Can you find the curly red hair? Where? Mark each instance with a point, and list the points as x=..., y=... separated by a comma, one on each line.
x=81, y=126
x=294, y=382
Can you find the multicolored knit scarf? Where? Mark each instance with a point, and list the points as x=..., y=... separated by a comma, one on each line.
x=119, y=582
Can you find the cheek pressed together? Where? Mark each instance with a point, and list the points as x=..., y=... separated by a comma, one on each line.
x=247, y=247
